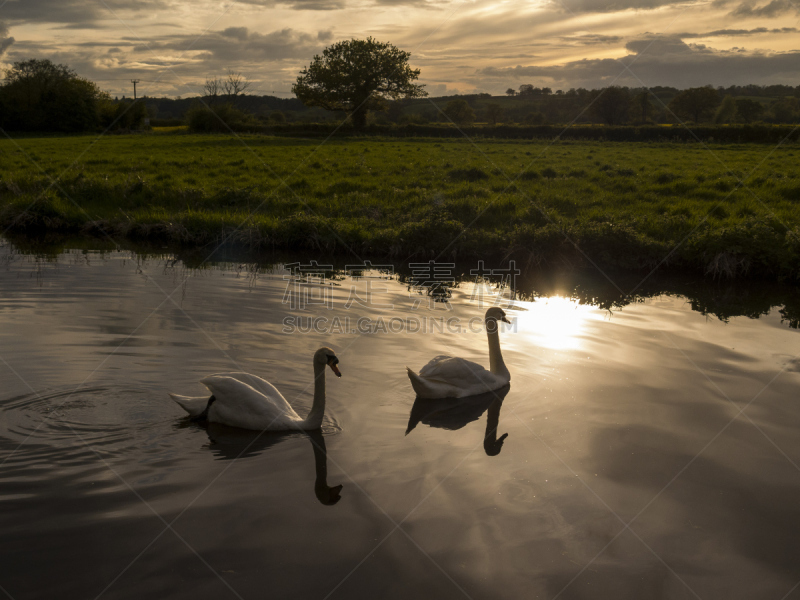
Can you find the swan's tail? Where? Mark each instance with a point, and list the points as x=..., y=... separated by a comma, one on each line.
x=420, y=385
x=193, y=406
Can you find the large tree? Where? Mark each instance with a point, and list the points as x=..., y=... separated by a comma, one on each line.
x=696, y=104
x=748, y=110
x=357, y=76
x=611, y=105
x=642, y=105
x=726, y=111
x=459, y=112
x=494, y=113
x=39, y=95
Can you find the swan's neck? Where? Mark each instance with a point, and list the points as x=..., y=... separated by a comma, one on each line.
x=314, y=419
x=496, y=364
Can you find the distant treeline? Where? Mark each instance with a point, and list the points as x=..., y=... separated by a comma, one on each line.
x=612, y=106
x=40, y=96
x=176, y=108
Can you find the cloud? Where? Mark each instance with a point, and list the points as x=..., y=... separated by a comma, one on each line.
x=5, y=39
x=240, y=45
x=736, y=32
x=335, y=4
x=441, y=89
x=178, y=63
x=75, y=13
x=773, y=9
x=659, y=60
x=299, y=4
x=604, y=6
x=592, y=39
x=658, y=46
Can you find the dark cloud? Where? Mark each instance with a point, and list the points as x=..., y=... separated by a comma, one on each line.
x=601, y=6
x=240, y=45
x=299, y=4
x=5, y=39
x=660, y=61
x=77, y=14
x=736, y=32
x=747, y=8
x=84, y=14
x=335, y=4
x=773, y=9
x=658, y=46
x=592, y=39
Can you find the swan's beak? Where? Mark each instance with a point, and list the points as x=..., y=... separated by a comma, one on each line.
x=505, y=320
x=332, y=362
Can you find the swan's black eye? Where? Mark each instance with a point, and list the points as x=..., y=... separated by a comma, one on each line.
x=332, y=360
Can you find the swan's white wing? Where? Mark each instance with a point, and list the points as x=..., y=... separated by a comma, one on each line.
x=449, y=377
x=240, y=405
x=260, y=385
x=455, y=370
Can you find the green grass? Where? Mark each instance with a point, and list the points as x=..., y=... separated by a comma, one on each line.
x=624, y=205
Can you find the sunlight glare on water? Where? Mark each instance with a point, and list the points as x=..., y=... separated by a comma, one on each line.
x=555, y=322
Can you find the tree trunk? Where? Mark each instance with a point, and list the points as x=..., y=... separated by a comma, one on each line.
x=359, y=117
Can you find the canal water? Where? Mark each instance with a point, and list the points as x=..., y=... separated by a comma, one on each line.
x=643, y=450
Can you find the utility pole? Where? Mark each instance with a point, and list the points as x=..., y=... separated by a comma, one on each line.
x=134, y=82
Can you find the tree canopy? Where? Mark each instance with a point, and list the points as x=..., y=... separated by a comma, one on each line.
x=611, y=105
x=357, y=76
x=39, y=95
x=748, y=110
x=696, y=104
x=459, y=112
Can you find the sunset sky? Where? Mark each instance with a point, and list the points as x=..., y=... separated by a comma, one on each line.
x=461, y=45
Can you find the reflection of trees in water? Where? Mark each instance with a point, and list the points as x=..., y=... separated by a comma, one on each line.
x=723, y=299
x=455, y=413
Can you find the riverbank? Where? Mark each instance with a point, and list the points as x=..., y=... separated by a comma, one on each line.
x=721, y=210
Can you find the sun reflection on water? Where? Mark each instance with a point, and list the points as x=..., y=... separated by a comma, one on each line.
x=555, y=322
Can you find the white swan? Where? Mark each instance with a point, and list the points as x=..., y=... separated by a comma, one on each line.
x=449, y=377
x=247, y=401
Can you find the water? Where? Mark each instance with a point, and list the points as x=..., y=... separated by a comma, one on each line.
x=651, y=450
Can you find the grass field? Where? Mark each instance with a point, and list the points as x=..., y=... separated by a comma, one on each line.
x=623, y=205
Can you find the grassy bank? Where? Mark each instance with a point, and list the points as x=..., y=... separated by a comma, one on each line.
x=624, y=205
x=675, y=133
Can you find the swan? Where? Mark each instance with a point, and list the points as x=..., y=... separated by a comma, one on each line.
x=452, y=377
x=249, y=402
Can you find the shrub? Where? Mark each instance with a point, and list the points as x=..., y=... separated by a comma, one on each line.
x=221, y=118
x=125, y=115
x=471, y=174
x=549, y=173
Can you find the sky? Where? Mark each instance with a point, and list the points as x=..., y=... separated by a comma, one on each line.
x=461, y=46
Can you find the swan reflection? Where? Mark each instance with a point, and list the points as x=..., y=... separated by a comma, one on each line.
x=230, y=443
x=455, y=413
